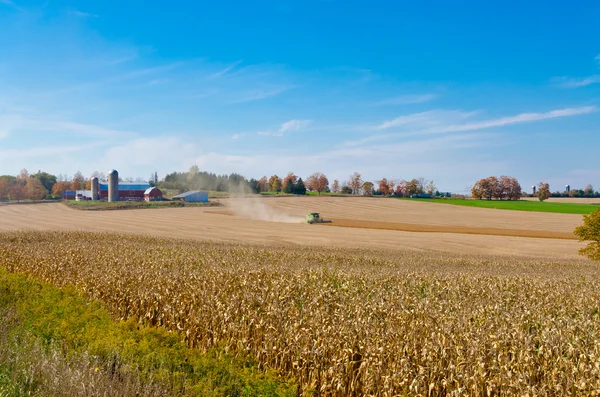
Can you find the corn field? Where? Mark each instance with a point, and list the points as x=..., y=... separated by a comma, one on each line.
x=346, y=322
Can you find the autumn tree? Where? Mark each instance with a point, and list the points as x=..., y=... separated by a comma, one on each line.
x=78, y=181
x=400, y=188
x=318, y=182
x=590, y=231
x=263, y=184
x=275, y=184
x=34, y=190
x=543, y=191
x=489, y=188
x=367, y=188
x=60, y=187
x=335, y=187
x=384, y=187
x=414, y=186
x=289, y=183
x=510, y=188
x=588, y=191
x=16, y=192
x=355, y=183
x=4, y=187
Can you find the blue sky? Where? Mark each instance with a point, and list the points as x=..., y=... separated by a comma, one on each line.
x=449, y=91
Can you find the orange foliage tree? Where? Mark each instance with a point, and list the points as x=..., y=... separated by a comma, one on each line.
x=317, y=182
x=35, y=190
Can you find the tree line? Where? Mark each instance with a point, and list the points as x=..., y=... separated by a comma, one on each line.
x=43, y=185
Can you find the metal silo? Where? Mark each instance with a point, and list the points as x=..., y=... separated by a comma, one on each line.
x=533, y=189
x=95, y=189
x=113, y=186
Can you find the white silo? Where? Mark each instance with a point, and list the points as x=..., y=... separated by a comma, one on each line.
x=113, y=186
x=95, y=189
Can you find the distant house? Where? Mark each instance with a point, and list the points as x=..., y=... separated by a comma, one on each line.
x=196, y=196
x=153, y=194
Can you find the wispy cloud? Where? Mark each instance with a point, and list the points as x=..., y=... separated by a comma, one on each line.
x=223, y=71
x=255, y=95
x=503, y=121
x=288, y=126
x=598, y=58
x=82, y=14
x=437, y=122
x=427, y=119
x=573, y=82
x=294, y=125
x=406, y=100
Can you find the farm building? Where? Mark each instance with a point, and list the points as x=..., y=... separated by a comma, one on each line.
x=127, y=190
x=82, y=195
x=196, y=196
x=153, y=194
x=69, y=194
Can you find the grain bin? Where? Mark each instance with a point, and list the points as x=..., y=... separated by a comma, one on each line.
x=113, y=186
x=95, y=189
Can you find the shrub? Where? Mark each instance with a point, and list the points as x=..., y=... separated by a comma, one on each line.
x=590, y=231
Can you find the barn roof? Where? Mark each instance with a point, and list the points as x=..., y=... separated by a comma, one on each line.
x=187, y=194
x=150, y=189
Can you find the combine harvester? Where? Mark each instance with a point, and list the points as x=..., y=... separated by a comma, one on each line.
x=315, y=217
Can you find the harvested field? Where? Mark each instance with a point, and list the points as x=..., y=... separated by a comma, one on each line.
x=346, y=321
x=573, y=200
x=441, y=227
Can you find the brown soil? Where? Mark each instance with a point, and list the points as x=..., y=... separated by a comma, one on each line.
x=368, y=228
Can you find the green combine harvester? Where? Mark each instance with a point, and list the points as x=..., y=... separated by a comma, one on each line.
x=315, y=217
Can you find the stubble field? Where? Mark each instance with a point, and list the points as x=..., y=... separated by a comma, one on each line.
x=351, y=310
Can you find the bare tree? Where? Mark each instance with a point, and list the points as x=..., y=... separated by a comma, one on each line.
x=335, y=187
x=355, y=183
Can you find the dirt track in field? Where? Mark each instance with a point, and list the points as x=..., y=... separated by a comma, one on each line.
x=359, y=222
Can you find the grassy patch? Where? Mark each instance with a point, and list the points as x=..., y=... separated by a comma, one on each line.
x=76, y=336
x=521, y=205
x=130, y=205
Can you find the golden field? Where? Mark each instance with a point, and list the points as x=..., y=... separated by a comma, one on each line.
x=375, y=223
x=344, y=321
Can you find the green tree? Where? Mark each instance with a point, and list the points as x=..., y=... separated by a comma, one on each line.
x=48, y=180
x=590, y=231
x=300, y=187
x=288, y=187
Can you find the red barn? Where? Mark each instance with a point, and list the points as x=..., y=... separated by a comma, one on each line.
x=127, y=190
x=153, y=194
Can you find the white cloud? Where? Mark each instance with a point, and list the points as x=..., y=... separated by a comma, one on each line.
x=294, y=125
x=428, y=119
x=571, y=82
x=18, y=122
x=437, y=122
x=82, y=14
x=269, y=133
x=288, y=126
x=258, y=94
x=432, y=158
x=407, y=99
x=223, y=71
x=597, y=58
